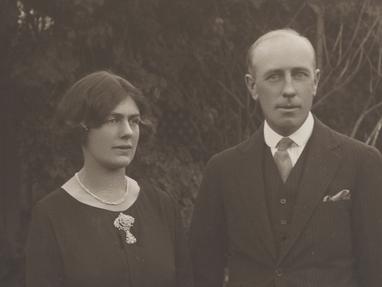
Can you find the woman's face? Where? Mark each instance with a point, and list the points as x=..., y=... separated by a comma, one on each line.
x=113, y=144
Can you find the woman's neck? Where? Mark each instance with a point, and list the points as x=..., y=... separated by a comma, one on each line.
x=108, y=184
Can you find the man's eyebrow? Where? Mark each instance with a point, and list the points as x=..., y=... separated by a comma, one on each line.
x=273, y=71
x=301, y=69
x=280, y=71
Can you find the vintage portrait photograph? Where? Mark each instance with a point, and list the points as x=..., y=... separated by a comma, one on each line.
x=191, y=143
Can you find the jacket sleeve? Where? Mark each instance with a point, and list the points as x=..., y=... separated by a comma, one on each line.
x=169, y=209
x=367, y=219
x=184, y=275
x=5, y=258
x=208, y=232
x=44, y=266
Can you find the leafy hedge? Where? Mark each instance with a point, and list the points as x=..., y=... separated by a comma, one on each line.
x=188, y=57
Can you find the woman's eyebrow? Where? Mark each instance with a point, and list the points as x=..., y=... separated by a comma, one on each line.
x=115, y=114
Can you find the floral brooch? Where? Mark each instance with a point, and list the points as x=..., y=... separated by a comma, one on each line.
x=125, y=222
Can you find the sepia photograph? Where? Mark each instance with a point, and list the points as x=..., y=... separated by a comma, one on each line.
x=179, y=143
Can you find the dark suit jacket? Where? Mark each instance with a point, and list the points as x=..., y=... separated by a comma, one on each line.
x=330, y=243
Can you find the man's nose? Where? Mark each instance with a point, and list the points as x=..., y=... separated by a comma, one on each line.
x=289, y=89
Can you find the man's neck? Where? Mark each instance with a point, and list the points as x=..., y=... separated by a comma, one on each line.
x=299, y=136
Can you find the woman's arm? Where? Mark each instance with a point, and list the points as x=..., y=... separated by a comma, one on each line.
x=44, y=267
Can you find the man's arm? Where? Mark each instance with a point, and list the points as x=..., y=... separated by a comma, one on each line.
x=367, y=219
x=208, y=231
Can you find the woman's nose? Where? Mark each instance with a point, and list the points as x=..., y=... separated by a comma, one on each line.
x=125, y=128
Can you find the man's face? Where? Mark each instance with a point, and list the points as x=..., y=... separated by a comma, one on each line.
x=284, y=81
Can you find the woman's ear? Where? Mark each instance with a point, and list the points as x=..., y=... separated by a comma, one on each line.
x=84, y=126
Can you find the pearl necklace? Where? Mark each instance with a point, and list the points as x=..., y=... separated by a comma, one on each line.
x=116, y=202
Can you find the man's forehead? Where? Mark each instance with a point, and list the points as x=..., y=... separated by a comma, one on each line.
x=283, y=48
x=283, y=41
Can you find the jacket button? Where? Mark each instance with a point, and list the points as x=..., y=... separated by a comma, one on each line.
x=279, y=272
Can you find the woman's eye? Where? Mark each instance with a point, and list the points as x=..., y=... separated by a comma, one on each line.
x=112, y=121
x=135, y=121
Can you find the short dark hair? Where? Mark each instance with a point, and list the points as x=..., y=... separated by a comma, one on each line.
x=90, y=100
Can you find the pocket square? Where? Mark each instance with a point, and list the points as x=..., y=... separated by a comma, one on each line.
x=342, y=195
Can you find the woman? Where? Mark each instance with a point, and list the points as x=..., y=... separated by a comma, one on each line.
x=101, y=228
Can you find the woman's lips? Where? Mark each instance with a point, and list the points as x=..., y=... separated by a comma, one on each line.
x=123, y=147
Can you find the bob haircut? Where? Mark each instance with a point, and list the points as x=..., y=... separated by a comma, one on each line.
x=89, y=101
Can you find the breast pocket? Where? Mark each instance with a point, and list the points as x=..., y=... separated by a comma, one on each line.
x=331, y=228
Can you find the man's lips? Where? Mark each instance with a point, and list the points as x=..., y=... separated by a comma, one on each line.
x=287, y=107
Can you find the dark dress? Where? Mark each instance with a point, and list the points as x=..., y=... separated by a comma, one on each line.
x=73, y=244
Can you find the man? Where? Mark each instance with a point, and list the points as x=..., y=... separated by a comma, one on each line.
x=297, y=204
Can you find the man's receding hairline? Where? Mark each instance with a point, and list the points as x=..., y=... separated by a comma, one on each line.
x=276, y=34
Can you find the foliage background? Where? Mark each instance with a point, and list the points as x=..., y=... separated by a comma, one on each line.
x=188, y=57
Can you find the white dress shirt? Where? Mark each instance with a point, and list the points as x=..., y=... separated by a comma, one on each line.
x=299, y=137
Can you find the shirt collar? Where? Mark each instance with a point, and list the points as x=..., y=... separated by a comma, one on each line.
x=300, y=137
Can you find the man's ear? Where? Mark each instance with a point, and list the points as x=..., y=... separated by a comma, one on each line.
x=250, y=81
x=317, y=73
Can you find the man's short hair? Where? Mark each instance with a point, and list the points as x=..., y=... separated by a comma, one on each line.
x=272, y=34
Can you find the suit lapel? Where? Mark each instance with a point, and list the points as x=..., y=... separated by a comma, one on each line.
x=251, y=185
x=321, y=165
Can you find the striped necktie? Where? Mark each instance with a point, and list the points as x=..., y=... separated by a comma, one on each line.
x=282, y=158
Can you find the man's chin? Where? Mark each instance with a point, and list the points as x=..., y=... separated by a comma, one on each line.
x=288, y=127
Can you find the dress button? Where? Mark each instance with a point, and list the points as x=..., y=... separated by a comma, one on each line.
x=283, y=221
x=283, y=201
x=279, y=272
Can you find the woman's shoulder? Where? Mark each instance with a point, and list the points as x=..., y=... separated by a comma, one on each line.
x=53, y=202
x=164, y=204
x=54, y=197
x=158, y=195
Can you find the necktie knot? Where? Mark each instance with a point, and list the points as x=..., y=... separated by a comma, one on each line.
x=284, y=144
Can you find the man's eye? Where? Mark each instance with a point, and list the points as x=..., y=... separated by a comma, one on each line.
x=273, y=77
x=301, y=75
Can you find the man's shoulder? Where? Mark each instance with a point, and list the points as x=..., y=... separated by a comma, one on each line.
x=229, y=152
x=234, y=154
x=350, y=145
